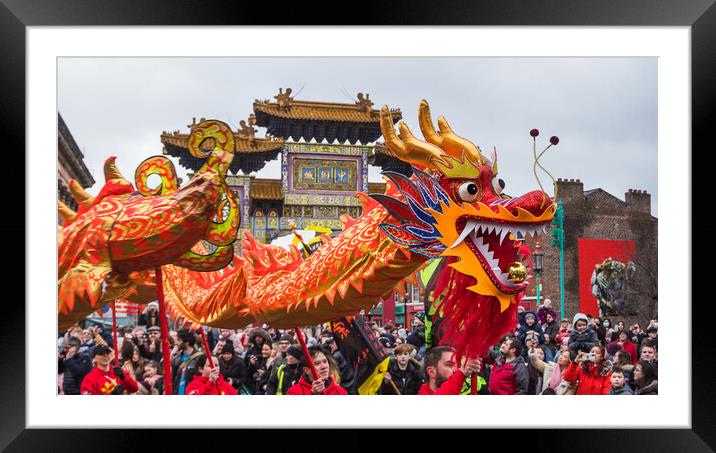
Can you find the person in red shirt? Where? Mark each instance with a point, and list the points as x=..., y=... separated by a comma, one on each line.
x=324, y=385
x=443, y=375
x=626, y=345
x=105, y=380
x=209, y=381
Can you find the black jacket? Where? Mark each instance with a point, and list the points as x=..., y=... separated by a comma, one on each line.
x=236, y=370
x=149, y=319
x=347, y=374
x=291, y=375
x=75, y=369
x=408, y=381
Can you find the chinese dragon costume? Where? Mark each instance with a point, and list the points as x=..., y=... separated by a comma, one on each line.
x=450, y=207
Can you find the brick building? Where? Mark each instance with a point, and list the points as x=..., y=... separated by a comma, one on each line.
x=597, y=214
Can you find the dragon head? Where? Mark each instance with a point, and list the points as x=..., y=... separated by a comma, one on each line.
x=453, y=206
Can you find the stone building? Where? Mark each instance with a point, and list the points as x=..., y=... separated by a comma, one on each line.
x=70, y=165
x=597, y=222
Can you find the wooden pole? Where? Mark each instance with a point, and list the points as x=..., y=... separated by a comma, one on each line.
x=206, y=346
x=163, y=325
x=114, y=332
x=395, y=387
x=302, y=340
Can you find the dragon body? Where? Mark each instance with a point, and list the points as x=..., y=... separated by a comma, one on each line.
x=451, y=207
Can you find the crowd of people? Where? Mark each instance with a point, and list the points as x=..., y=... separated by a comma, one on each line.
x=585, y=356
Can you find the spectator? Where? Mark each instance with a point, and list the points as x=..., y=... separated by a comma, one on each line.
x=345, y=370
x=416, y=338
x=645, y=382
x=258, y=370
x=600, y=330
x=257, y=338
x=442, y=374
x=520, y=314
x=287, y=374
x=402, y=372
x=74, y=366
x=625, y=344
x=530, y=324
x=509, y=374
x=324, y=385
x=233, y=369
x=135, y=365
x=622, y=360
x=184, y=361
x=536, y=379
x=564, y=330
x=591, y=373
x=651, y=337
x=582, y=337
x=544, y=310
x=619, y=385
x=607, y=324
x=209, y=380
x=152, y=382
x=150, y=315
x=105, y=380
x=88, y=342
x=649, y=351
x=550, y=372
x=154, y=350
x=550, y=327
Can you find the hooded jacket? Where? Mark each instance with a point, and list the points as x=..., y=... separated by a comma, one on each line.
x=524, y=328
x=203, y=386
x=509, y=378
x=582, y=341
x=594, y=381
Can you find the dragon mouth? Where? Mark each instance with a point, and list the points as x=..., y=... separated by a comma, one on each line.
x=494, y=246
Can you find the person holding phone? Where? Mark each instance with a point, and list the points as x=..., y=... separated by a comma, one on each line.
x=591, y=372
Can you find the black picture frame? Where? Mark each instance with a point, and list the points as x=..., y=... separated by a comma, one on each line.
x=16, y=15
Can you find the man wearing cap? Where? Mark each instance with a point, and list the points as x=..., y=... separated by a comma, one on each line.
x=287, y=374
x=150, y=315
x=104, y=379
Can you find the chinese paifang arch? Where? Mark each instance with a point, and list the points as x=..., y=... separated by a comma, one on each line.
x=451, y=207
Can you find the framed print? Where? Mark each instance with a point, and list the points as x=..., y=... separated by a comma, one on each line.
x=46, y=44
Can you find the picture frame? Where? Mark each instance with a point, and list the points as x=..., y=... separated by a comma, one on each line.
x=16, y=16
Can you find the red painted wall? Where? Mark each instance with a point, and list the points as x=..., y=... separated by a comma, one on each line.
x=592, y=252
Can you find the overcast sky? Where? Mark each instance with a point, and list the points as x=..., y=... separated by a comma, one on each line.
x=604, y=110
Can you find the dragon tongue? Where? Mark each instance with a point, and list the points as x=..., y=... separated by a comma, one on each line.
x=469, y=226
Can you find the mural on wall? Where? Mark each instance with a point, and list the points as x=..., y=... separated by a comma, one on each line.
x=605, y=271
x=609, y=281
x=324, y=174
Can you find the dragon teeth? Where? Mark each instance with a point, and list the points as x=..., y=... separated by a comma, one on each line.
x=469, y=227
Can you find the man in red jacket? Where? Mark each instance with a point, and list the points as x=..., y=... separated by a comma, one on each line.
x=105, y=380
x=443, y=375
x=210, y=381
x=510, y=375
x=324, y=385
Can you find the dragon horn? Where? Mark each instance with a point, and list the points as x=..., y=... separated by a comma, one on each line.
x=494, y=161
x=110, y=169
x=66, y=214
x=454, y=145
x=406, y=147
x=82, y=197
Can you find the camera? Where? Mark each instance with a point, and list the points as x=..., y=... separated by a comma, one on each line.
x=589, y=357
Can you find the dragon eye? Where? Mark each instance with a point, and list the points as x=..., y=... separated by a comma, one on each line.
x=498, y=185
x=468, y=192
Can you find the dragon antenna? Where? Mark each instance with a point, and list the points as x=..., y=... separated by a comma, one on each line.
x=553, y=141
